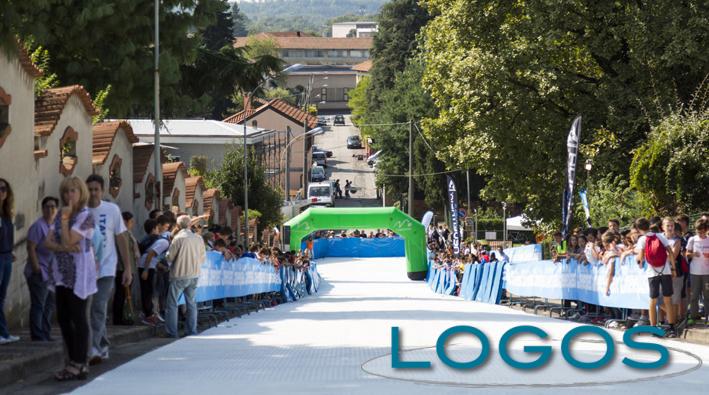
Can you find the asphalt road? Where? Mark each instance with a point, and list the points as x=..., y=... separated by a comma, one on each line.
x=344, y=166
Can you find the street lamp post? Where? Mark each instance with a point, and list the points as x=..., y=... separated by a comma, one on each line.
x=504, y=223
x=312, y=132
x=246, y=164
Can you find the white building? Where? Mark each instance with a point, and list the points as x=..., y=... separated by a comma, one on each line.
x=354, y=29
x=195, y=137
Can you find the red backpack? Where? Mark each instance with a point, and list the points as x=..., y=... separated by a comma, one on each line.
x=655, y=252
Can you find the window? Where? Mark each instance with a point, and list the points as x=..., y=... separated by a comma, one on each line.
x=356, y=53
x=175, y=198
x=254, y=123
x=313, y=53
x=323, y=94
x=5, y=129
x=346, y=94
x=336, y=53
x=67, y=147
x=296, y=53
x=114, y=176
x=149, y=192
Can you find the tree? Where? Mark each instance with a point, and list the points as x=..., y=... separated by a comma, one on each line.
x=262, y=197
x=257, y=47
x=282, y=93
x=509, y=77
x=399, y=23
x=671, y=166
x=239, y=21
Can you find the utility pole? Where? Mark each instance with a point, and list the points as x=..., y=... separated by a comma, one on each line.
x=467, y=189
x=411, y=166
x=305, y=138
x=156, y=138
x=247, y=102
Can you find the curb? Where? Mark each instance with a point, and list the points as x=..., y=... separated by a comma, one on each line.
x=22, y=359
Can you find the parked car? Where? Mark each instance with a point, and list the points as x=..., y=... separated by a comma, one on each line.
x=354, y=142
x=320, y=158
x=373, y=158
x=317, y=174
x=322, y=121
x=339, y=120
x=320, y=193
x=328, y=153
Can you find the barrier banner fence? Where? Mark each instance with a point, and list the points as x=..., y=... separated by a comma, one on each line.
x=528, y=275
x=220, y=278
x=358, y=247
x=573, y=281
x=481, y=282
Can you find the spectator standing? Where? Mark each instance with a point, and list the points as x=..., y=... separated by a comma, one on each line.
x=186, y=253
x=73, y=274
x=151, y=248
x=115, y=236
x=123, y=291
x=7, y=242
x=648, y=249
x=348, y=187
x=698, y=250
x=37, y=272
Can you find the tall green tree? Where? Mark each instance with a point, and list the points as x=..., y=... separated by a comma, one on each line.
x=262, y=197
x=509, y=77
x=670, y=167
x=399, y=23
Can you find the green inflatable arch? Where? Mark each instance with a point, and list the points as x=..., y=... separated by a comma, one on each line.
x=320, y=218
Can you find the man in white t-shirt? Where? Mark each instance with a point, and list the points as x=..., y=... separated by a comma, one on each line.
x=698, y=251
x=657, y=278
x=115, y=235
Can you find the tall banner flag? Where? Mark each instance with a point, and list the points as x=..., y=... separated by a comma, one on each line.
x=586, y=209
x=453, y=201
x=572, y=146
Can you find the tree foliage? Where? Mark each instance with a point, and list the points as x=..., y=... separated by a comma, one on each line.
x=509, y=77
x=671, y=166
x=230, y=181
x=97, y=43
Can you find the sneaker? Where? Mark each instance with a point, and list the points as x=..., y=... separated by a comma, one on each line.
x=671, y=333
x=150, y=321
x=9, y=339
x=159, y=317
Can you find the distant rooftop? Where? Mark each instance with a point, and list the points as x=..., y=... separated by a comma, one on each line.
x=310, y=42
x=196, y=131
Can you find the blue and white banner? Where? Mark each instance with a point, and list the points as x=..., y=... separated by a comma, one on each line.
x=572, y=147
x=453, y=201
x=572, y=281
x=586, y=208
x=358, y=247
x=220, y=278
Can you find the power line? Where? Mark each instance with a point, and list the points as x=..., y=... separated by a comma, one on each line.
x=422, y=174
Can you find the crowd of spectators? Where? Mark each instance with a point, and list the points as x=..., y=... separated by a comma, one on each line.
x=675, y=259
x=82, y=253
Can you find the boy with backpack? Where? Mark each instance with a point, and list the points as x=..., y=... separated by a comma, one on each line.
x=151, y=248
x=654, y=249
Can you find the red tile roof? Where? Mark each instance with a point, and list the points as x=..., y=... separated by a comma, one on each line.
x=280, y=106
x=105, y=134
x=26, y=62
x=191, y=188
x=363, y=67
x=308, y=42
x=208, y=198
x=49, y=105
x=169, y=174
x=141, y=160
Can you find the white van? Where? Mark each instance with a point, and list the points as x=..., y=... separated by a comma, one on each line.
x=320, y=193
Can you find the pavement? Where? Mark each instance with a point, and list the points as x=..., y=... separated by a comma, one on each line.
x=26, y=367
x=343, y=166
x=340, y=343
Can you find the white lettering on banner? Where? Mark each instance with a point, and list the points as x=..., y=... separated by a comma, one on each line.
x=572, y=145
